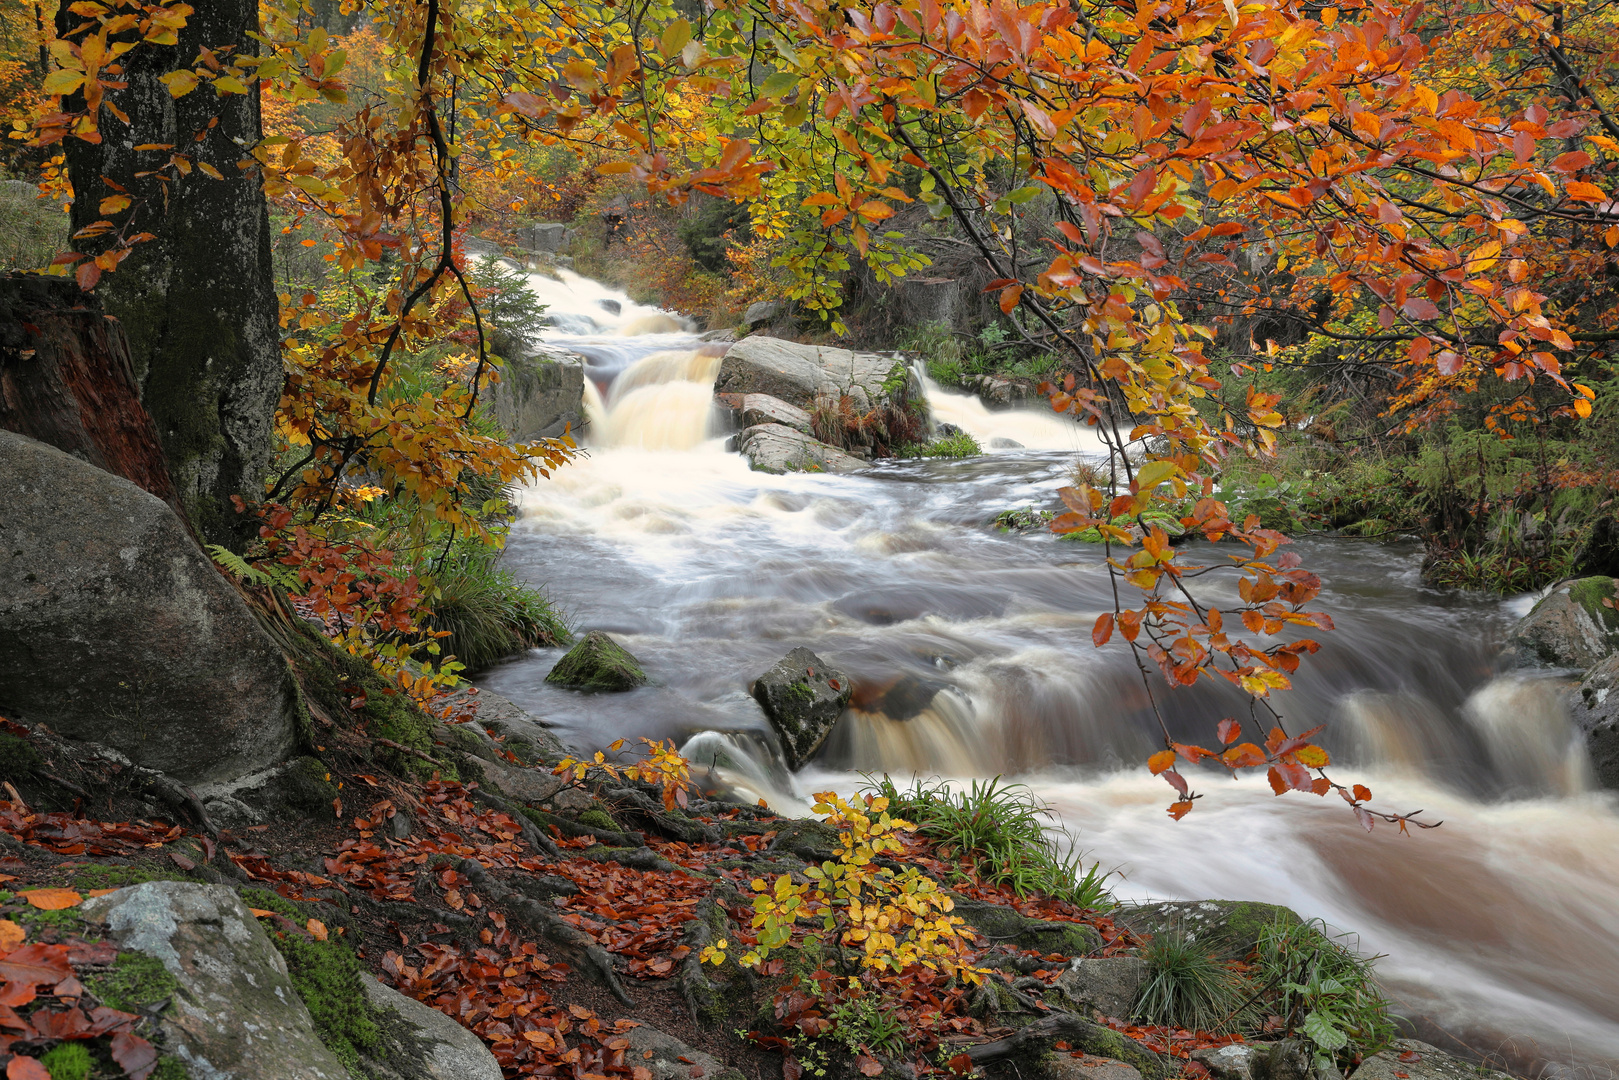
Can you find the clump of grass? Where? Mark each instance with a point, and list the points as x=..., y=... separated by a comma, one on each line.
x=1006, y=833
x=958, y=445
x=1325, y=991
x=489, y=613
x=1187, y=987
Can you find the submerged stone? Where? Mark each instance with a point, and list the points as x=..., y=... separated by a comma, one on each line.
x=598, y=663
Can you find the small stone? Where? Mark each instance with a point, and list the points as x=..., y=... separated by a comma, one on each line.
x=1001, y=442
x=1233, y=1062
x=1065, y=1066
x=762, y=312
x=1107, y=984
x=598, y=663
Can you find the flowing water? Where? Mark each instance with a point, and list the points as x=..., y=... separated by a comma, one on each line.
x=971, y=656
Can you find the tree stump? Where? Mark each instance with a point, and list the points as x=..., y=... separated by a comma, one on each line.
x=66, y=380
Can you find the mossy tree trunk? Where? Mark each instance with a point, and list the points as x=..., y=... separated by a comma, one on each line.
x=198, y=302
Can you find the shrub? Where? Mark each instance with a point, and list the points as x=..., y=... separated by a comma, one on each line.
x=1326, y=991
x=1188, y=988
x=958, y=445
x=487, y=612
x=1005, y=831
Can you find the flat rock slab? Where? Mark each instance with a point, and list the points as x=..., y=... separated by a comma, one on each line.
x=798, y=374
x=754, y=409
x=778, y=448
x=115, y=627
x=237, y=1016
x=1429, y=1063
x=671, y=1059
x=1078, y=1065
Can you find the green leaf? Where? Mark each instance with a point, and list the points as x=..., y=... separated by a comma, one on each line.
x=778, y=84
x=1024, y=194
x=1320, y=1031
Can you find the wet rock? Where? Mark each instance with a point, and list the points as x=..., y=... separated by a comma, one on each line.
x=1574, y=627
x=527, y=733
x=802, y=696
x=948, y=431
x=1109, y=984
x=115, y=627
x=763, y=313
x=1290, y=1059
x=1230, y=927
x=1424, y=1062
x=1004, y=926
x=777, y=448
x=671, y=1059
x=546, y=236
x=1594, y=707
x=798, y=374
x=420, y=1043
x=754, y=409
x=598, y=663
x=474, y=245
x=611, y=306
x=1233, y=1062
x=540, y=395
x=1001, y=442
x=237, y=1016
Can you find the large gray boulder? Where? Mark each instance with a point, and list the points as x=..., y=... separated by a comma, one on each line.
x=1574, y=627
x=421, y=1043
x=777, y=448
x=798, y=374
x=115, y=627
x=763, y=312
x=802, y=696
x=237, y=1016
x=1594, y=708
x=547, y=236
x=541, y=395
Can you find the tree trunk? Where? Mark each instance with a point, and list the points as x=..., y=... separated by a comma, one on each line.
x=197, y=302
x=65, y=379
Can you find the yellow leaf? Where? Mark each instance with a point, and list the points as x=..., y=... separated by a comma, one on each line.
x=114, y=204
x=180, y=83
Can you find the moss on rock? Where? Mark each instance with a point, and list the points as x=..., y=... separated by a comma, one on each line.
x=328, y=977
x=598, y=663
x=134, y=983
x=1004, y=925
x=18, y=758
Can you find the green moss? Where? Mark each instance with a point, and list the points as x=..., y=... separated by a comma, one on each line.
x=1003, y=924
x=135, y=982
x=1590, y=593
x=328, y=979
x=598, y=819
x=169, y=1068
x=18, y=758
x=70, y=1061
x=598, y=663
x=120, y=877
x=307, y=785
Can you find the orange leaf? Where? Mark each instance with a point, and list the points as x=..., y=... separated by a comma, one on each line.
x=317, y=929
x=11, y=935
x=1160, y=761
x=1363, y=793
x=52, y=899
x=1103, y=630
x=26, y=1068
x=1180, y=809
x=1010, y=297
x=260, y=913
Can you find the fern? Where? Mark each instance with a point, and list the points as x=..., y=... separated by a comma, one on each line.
x=246, y=571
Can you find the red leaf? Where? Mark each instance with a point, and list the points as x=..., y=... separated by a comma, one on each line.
x=33, y=964
x=1103, y=630
x=26, y=1068
x=961, y=1064
x=1229, y=731
x=868, y=1065
x=134, y=1054
x=1363, y=793
x=181, y=861
x=1410, y=1057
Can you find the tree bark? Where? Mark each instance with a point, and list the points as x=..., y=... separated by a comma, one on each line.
x=197, y=302
x=66, y=380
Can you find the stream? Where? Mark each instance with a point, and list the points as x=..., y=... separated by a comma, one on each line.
x=971, y=656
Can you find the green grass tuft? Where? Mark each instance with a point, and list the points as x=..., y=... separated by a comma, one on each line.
x=488, y=613
x=1188, y=988
x=1008, y=833
x=69, y=1061
x=1326, y=991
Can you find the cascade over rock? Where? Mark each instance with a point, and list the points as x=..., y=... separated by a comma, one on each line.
x=116, y=628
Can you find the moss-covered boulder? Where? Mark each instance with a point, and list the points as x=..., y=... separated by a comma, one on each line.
x=1230, y=927
x=1577, y=626
x=802, y=696
x=1002, y=925
x=598, y=663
